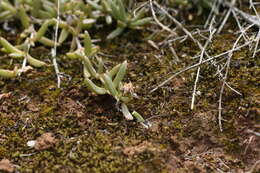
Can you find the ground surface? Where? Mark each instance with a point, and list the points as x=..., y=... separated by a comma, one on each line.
x=92, y=136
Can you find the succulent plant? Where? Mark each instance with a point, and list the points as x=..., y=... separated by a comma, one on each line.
x=100, y=81
x=18, y=10
x=117, y=10
x=16, y=53
x=44, y=12
x=72, y=18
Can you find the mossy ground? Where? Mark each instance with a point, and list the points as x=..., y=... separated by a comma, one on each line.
x=94, y=137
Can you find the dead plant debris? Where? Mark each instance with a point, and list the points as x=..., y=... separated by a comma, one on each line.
x=45, y=141
x=6, y=165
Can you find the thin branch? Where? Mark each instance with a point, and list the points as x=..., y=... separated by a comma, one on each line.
x=257, y=42
x=232, y=89
x=54, y=50
x=224, y=82
x=201, y=59
x=157, y=21
x=178, y=24
x=253, y=167
x=212, y=12
x=226, y=17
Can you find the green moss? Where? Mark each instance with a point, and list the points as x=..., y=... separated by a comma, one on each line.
x=177, y=125
x=47, y=111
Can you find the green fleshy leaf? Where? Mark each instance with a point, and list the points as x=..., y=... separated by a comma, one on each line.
x=87, y=44
x=115, y=33
x=126, y=112
x=94, y=88
x=121, y=73
x=138, y=117
x=113, y=71
x=110, y=86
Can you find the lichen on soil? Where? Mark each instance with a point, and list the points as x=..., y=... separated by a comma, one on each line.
x=94, y=137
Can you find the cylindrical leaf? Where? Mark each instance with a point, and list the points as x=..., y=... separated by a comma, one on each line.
x=16, y=55
x=87, y=44
x=36, y=6
x=94, y=88
x=8, y=47
x=90, y=67
x=47, y=42
x=108, y=19
x=72, y=55
x=8, y=73
x=5, y=15
x=100, y=66
x=23, y=17
x=138, y=117
x=115, y=33
x=43, y=29
x=106, y=5
x=63, y=35
x=120, y=75
x=126, y=112
x=94, y=5
x=113, y=71
x=7, y=6
x=34, y=62
x=94, y=50
x=88, y=23
x=139, y=14
x=122, y=11
x=110, y=86
x=48, y=6
x=85, y=72
x=115, y=11
x=141, y=22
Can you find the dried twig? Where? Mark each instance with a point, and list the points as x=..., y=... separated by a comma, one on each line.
x=253, y=167
x=157, y=21
x=230, y=54
x=54, y=50
x=212, y=31
x=226, y=17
